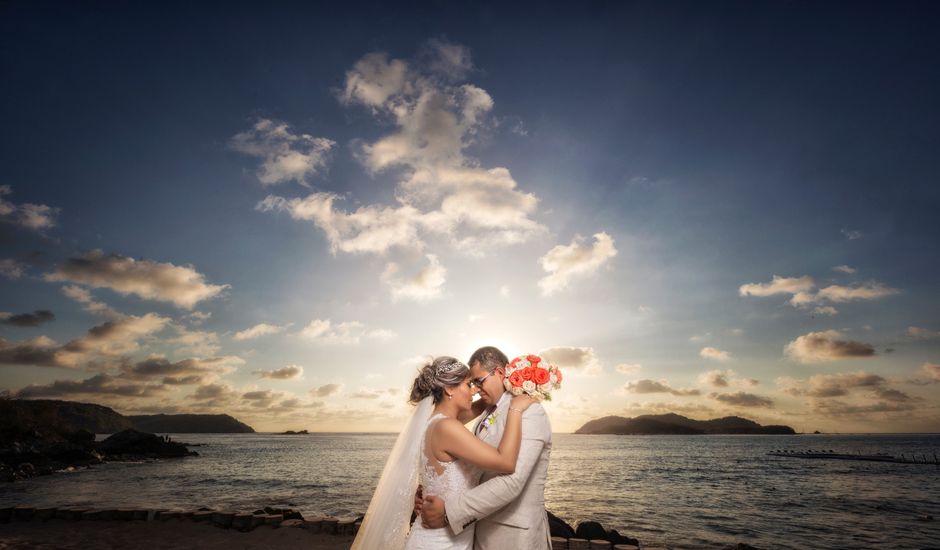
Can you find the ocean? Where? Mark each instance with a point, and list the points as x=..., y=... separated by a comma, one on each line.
x=679, y=491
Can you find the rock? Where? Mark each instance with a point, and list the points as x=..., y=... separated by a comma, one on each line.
x=23, y=513
x=600, y=544
x=313, y=525
x=292, y=523
x=136, y=445
x=223, y=519
x=6, y=514
x=740, y=546
x=579, y=544
x=241, y=522
x=616, y=538
x=273, y=519
x=345, y=526
x=328, y=526
x=558, y=527
x=590, y=530
x=45, y=513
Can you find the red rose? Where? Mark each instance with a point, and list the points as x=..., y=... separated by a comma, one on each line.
x=527, y=373
x=540, y=376
x=516, y=379
x=533, y=358
x=512, y=364
x=558, y=375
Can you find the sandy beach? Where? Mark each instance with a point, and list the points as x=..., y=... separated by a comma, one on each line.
x=58, y=534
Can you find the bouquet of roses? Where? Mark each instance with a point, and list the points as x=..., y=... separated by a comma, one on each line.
x=532, y=375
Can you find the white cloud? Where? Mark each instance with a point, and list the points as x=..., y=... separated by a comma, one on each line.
x=817, y=347
x=324, y=331
x=195, y=342
x=931, y=370
x=922, y=333
x=182, y=286
x=628, y=368
x=289, y=372
x=851, y=234
x=581, y=359
x=844, y=269
x=823, y=386
x=84, y=297
x=35, y=217
x=742, y=399
x=440, y=192
x=11, y=269
x=657, y=386
x=424, y=285
x=779, y=285
x=825, y=310
x=261, y=329
x=714, y=354
x=326, y=390
x=285, y=156
x=716, y=378
x=562, y=263
x=869, y=291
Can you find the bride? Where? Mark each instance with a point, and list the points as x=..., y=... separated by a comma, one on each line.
x=436, y=449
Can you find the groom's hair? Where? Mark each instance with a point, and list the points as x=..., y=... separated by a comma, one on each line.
x=489, y=358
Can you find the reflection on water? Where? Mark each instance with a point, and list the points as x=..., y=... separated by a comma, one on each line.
x=688, y=491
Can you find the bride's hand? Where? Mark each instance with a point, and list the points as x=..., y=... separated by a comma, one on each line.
x=521, y=402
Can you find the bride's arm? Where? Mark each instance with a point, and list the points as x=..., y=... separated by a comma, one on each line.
x=457, y=441
x=476, y=410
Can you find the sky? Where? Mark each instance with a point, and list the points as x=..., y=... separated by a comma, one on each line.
x=280, y=211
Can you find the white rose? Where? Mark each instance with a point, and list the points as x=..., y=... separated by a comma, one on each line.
x=528, y=385
x=545, y=387
x=552, y=378
x=507, y=384
x=516, y=391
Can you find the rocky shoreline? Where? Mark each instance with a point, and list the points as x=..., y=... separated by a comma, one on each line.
x=588, y=535
x=32, y=453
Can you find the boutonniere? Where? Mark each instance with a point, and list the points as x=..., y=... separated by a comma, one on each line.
x=491, y=419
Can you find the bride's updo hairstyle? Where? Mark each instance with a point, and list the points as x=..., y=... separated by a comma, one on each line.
x=436, y=375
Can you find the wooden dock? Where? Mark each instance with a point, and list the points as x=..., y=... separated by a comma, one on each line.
x=879, y=457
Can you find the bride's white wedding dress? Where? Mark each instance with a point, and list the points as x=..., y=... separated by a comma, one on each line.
x=445, y=480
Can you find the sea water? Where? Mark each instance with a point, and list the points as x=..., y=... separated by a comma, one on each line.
x=682, y=491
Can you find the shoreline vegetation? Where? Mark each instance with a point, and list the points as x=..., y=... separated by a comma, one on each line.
x=675, y=424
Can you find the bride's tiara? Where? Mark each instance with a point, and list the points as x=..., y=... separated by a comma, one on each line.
x=449, y=368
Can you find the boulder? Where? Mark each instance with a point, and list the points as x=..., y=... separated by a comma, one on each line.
x=616, y=538
x=558, y=527
x=135, y=445
x=590, y=530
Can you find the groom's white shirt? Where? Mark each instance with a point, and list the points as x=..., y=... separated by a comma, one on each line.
x=509, y=509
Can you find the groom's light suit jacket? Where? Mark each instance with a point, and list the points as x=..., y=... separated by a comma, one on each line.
x=509, y=509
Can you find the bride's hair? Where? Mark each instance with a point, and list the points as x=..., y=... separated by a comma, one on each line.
x=437, y=374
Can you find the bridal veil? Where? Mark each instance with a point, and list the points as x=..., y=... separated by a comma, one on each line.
x=386, y=522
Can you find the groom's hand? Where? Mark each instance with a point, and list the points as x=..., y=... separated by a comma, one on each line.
x=432, y=512
x=419, y=499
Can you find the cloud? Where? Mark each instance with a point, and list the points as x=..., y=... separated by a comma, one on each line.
x=716, y=378
x=439, y=192
x=424, y=285
x=198, y=317
x=801, y=289
x=654, y=386
x=922, y=333
x=11, y=269
x=823, y=386
x=581, y=359
x=325, y=331
x=714, y=354
x=35, y=217
x=196, y=342
x=840, y=408
x=182, y=286
x=871, y=290
x=82, y=296
x=742, y=399
x=779, y=285
x=844, y=269
x=326, y=390
x=574, y=260
x=628, y=368
x=184, y=372
x=286, y=373
x=261, y=398
x=260, y=329
x=365, y=393
x=285, y=156
x=851, y=234
x=931, y=370
x=101, y=384
x=107, y=340
x=817, y=347
x=33, y=319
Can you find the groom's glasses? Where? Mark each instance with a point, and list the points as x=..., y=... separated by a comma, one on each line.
x=478, y=382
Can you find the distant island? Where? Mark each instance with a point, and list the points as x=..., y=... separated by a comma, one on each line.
x=71, y=416
x=292, y=432
x=675, y=424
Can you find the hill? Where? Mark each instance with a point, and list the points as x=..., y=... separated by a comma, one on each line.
x=48, y=416
x=666, y=424
x=190, y=424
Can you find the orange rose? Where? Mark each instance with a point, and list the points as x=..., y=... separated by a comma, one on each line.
x=533, y=358
x=527, y=373
x=516, y=379
x=540, y=376
x=512, y=363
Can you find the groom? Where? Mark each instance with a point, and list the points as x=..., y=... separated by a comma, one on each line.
x=509, y=509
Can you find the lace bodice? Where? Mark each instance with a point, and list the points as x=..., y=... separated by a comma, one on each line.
x=445, y=479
